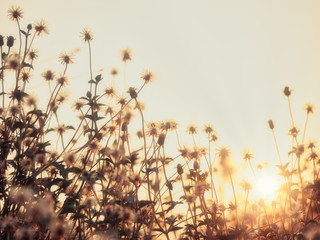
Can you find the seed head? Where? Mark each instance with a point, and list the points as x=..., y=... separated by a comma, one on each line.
x=247, y=155
x=192, y=129
x=62, y=80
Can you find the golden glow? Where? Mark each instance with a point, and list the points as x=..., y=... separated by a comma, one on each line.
x=266, y=186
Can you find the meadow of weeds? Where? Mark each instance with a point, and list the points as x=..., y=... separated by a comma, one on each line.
x=98, y=180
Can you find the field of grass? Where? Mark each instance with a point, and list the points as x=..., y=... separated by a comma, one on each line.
x=100, y=179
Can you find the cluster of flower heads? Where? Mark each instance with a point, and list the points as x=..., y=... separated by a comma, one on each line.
x=97, y=183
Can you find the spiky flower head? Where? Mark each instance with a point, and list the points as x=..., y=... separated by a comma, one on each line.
x=86, y=35
x=126, y=55
x=15, y=13
x=309, y=108
x=48, y=75
x=41, y=27
x=147, y=76
x=66, y=58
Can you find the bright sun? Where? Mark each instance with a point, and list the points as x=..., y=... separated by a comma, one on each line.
x=266, y=187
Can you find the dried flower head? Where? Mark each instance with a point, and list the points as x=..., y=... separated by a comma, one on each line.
x=13, y=61
x=69, y=158
x=25, y=76
x=78, y=105
x=293, y=131
x=133, y=92
x=48, y=75
x=41, y=27
x=126, y=55
x=86, y=35
x=62, y=80
x=309, y=108
x=208, y=129
x=15, y=13
x=192, y=129
x=152, y=129
x=114, y=72
x=66, y=58
x=224, y=155
x=247, y=155
x=147, y=76
x=33, y=54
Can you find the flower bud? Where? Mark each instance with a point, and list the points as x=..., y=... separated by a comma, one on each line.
x=271, y=125
x=29, y=27
x=196, y=165
x=179, y=169
x=287, y=91
x=133, y=93
x=10, y=41
x=161, y=139
x=1, y=41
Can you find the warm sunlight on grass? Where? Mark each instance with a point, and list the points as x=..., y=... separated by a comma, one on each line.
x=102, y=169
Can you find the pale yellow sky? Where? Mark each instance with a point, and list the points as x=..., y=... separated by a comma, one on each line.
x=219, y=62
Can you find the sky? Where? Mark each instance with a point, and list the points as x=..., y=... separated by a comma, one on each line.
x=219, y=62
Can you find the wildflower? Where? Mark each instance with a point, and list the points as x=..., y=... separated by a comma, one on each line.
x=14, y=110
x=110, y=91
x=195, y=154
x=179, y=169
x=184, y=152
x=192, y=129
x=135, y=179
x=25, y=76
x=311, y=145
x=62, y=80
x=309, y=108
x=15, y=13
x=18, y=95
x=60, y=129
x=69, y=158
x=287, y=91
x=66, y=58
x=200, y=187
x=41, y=27
x=133, y=92
x=33, y=54
x=152, y=129
x=114, y=72
x=78, y=105
x=109, y=110
x=58, y=230
x=147, y=76
x=126, y=55
x=10, y=41
x=40, y=158
x=94, y=146
x=271, y=125
x=13, y=61
x=122, y=101
x=86, y=35
x=247, y=155
x=293, y=132
x=21, y=195
x=61, y=98
x=214, y=137
x=208, y=129
x=48, y=75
